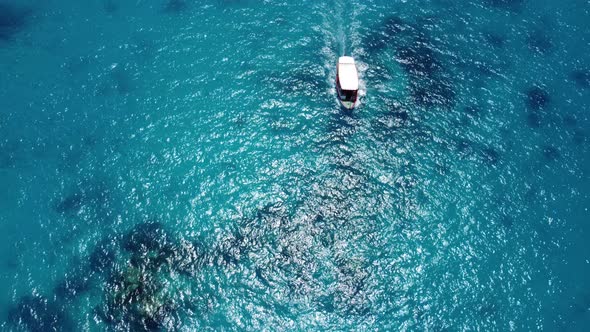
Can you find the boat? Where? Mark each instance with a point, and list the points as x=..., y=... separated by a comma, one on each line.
x=347, y=82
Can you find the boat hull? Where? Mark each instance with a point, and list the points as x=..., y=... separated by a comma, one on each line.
x=347, y=82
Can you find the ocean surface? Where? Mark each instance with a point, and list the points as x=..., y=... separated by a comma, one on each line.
x=185, y=165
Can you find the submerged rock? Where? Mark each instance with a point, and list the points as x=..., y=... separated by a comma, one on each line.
x=71, y=204
x=490, y=155
x=539, y=41
x=73, y=284
x=110, y=6
x=537, y=99
x=496, y=40
x=38, y=314
x=551, y=153
x=145, y=280
x=513, y=5
x=103, y=256
x=175, y=6
x=134, y=300
x=12, y=20
x=92, y=195
x=149, y=236
x=433, y=93
x=581, y=78
x=416, y=53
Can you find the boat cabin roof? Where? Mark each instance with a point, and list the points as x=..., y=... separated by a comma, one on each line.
x=347, y=73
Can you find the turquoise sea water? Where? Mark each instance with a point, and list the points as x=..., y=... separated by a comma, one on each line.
x=185, y=165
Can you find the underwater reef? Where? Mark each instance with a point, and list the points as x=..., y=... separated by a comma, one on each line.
x=141, y=278
x=13, y=19
x=416, y=52
x=145, y=277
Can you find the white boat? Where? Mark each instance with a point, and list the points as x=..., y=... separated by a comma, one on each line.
x=347, y=82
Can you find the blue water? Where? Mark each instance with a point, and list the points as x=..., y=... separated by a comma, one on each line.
x=185, y=165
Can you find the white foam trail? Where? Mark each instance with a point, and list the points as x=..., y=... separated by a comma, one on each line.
x=341, y=30
x=330, y=41
x=354, y=38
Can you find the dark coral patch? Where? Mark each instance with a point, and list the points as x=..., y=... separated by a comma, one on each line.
x=175, y=6
x=110, y=6
x=12, y=20
x=35, y=313
x=581, y=78
x=579, y=137
x=71, y=203
x=464, y=147
x=537, y=99
x=540, y=42
x=400, y=115
x=416, y=54
x=137, y=293
x=73, y=284
x=551, y=153
x=418, y=60
x=231, y=249
x=146, y=237
x=495, y=40
x=134, y=302
x=122, y=80
x=433, y=93
x=103, y=256
x=570, y=120
x=513, y=5
x=533, y=119
x=95, y=195
x=507, y=221
x=490, y=155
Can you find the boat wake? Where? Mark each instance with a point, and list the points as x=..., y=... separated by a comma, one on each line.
x=341, y=30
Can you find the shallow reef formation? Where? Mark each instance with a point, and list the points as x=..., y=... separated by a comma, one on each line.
x=468, y=150
x=13, y=19
x=146, y=278
x=416, y=52
x=75, y=283
x=110, y=6
x=93, y=197
x=551, y=153
x=278, y=247
x=175, y=6
x=142, y=277
x=539, y=41
x=537, y=100
x=143, y=291
x=138, y=298
x=512, y=5
x=495, y=39
x=36, y=313
x=581, y=77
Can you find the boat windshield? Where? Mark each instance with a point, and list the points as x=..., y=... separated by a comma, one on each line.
x=348, y=95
